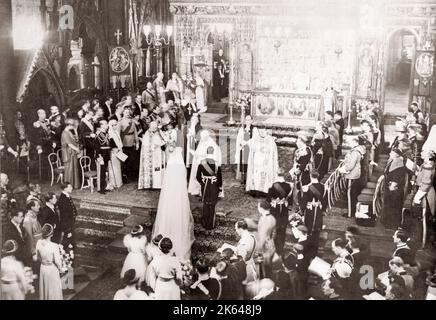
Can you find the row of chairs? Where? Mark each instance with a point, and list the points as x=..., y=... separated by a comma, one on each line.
x=58, y=170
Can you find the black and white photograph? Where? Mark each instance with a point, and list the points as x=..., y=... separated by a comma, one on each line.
x=233, y=151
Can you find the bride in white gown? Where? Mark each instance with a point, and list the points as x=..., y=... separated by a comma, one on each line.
x=174, y=219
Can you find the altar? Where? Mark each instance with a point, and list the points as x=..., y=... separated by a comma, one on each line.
x=294, y=61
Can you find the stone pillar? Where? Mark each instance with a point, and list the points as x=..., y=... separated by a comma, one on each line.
x=8, y=83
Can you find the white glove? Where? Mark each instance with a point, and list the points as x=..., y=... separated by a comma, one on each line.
x=418, y=197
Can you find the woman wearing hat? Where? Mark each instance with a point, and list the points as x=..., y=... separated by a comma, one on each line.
x=50, y=285
x=136, y=243
x=70, y=153
x=167, y=271
x=12, y=276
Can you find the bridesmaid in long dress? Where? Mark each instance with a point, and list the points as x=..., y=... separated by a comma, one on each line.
x=136, y=242
x=152, y=250
x=168, y=273
x=115, y=174
x=70, y=152
x=12, y=273
x=50, y=285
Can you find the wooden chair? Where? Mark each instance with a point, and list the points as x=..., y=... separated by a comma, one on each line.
x=88, y=175
x=59, y=153
x=56, y=168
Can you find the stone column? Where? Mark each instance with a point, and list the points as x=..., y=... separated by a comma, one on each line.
x=8, y=83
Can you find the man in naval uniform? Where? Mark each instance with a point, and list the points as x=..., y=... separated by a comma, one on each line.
x=210, y=178
x=280, y=197
x=313, y=204
x=300, y=172
x=103, y=151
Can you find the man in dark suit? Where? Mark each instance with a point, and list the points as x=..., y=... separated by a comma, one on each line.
x=50, y=214
x=86, y=133
x=68, y=214
x=149, y=96
x=137, y=106
x=14, y=231
x=210, y=178
x=107, y=108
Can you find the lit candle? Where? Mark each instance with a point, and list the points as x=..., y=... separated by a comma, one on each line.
x=147, y=29
x=169, y=31
x=157, y=30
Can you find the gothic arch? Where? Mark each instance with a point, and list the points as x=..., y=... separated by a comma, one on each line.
x=405, y=28
x=42, y=91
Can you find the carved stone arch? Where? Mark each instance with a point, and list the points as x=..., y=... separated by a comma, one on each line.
x=404, y=28
x=45, y=77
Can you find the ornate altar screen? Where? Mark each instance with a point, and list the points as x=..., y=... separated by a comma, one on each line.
x=295, y=63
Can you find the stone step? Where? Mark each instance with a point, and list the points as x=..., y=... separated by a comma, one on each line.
x=98, y=227
x=371, y=185
x=135, y=220
x=103, y=205
x=365, y=198
x=368, y=191
x=143, y=212
x=374, y=178
x=90, y=232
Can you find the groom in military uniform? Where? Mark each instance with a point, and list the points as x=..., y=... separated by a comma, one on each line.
x=210, y=178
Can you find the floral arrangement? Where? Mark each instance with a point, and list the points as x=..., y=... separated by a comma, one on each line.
x=67, y=257
x=244, y=102
x=187, y=274
x=30, y=277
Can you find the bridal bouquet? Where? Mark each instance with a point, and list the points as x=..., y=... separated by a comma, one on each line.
x=30, y=277
x=67, y=257
x=187, y=273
